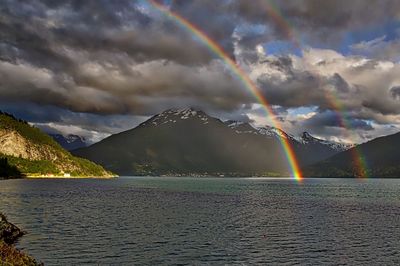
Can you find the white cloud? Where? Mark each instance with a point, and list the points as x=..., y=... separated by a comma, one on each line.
x=379, y=48
x=357, y=87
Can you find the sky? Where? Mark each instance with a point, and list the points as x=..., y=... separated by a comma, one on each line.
x=98, y=67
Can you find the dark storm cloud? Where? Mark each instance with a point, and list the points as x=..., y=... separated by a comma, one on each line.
x=324, y=21
x=395, y=92
x=327, y=119
x=102, y=58
x=327, y=125
x=236, y=115
x=36, y=34
x=101, y=90
x=215, y=18
x=88, y=125
x=282, y=63
x=339, y=83
x=93, y=59
x=293, y=87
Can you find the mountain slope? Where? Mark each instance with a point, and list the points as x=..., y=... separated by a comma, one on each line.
x=382, y=157
x=313, y=149
x=191, y=142
x=307, y=148
x=185, y=142
x=31, y=152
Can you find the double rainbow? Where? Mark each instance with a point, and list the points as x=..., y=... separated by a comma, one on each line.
x=241, y=75
x=361, y=167
x=360, y=163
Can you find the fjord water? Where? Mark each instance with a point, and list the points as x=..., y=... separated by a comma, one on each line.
x=155, y=221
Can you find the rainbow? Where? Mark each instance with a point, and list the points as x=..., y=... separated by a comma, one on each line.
x=241, y=75
x=275, y=14
x=361, y=168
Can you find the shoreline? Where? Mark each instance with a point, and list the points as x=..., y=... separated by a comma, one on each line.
x=59, y=177
x=69, y=177
x=9, y=254
x=191, y=176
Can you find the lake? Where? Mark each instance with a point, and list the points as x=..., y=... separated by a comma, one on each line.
x=206, y=221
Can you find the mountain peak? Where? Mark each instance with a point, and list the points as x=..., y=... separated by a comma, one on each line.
x=188, y=141
x=190, y=111
x=267, y=131
x=175, y=115
x=307, y=136
x=69, y=141
x=308, y=139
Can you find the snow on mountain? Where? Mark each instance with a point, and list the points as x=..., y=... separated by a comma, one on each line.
x=268, y=131
x=174, y=115
x=70, y=142
x=307, y=139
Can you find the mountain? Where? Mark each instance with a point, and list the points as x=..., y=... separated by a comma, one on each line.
x=70, y=142
x=25, y=150
x=381, y=158
x=308, y=140
x=309, y=149
x=185, y=142
x=267, y=131
x=313, y=149
x=190, y=142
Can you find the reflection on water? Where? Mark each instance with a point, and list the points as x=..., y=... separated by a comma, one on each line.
x=206, y=221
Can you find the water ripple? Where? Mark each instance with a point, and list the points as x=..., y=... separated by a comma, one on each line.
x=206, y=221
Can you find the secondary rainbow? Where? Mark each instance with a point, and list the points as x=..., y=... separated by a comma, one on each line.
x=241, y=75
x=276, y=15
x=358, y=158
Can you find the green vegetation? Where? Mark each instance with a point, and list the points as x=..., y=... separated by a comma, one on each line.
x=48, y=157
x=7, y=170
x=87, y=168
x=11, y=166
x=9, y=255
x=9, y=122
x=25, y=166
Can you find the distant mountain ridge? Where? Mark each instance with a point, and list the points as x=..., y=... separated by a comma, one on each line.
x=268, y=131
x=70, y=142
x=188, y=141
x=25, y=150
x=379, y=157
x=247, y=128
x=307, y=139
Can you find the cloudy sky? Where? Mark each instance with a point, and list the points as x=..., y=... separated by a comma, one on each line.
x=98, y=67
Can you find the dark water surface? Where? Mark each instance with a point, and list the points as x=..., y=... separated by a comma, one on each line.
x=207, y=221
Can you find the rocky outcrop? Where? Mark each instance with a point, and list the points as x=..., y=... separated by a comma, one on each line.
x=13, y=144
x=31, y=152
x=9, y=255
x=9, y=233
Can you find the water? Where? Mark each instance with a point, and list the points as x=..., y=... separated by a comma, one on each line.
x=206, y=221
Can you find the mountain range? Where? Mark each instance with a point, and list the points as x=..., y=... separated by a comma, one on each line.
x=26, y=151
x=188, y=141
x=377, y=158
x=70, y=141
